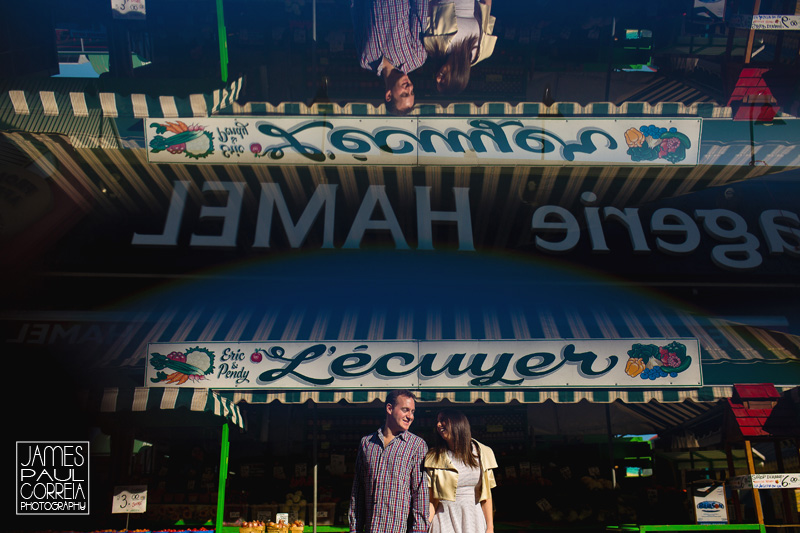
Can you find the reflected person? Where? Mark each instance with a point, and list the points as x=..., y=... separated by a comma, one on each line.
x=387, y=37
x=458, y=35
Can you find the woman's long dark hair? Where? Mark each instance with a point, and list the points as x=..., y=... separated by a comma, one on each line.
x=458, y=426
x=459, y=58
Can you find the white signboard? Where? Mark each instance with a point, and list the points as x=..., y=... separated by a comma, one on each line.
x=766, y=22
x=709, y=505
x=557, y=363
x=128, y=9
x=343, y=140
x=129, y=499
x=767, y=481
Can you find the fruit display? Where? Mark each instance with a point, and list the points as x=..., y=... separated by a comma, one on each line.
x=254, y=526
x=652, y=142
x=282, y=527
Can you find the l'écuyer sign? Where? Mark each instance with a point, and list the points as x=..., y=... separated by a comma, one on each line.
x=573, y=363
x=424, y=141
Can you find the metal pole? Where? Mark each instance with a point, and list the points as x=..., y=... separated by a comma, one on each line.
x=611, y=445
x=610, y=66
x=314, y=21
x=314, y=60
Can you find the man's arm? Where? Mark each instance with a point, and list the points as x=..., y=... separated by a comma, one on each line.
x=357, y=504
x=420, y=500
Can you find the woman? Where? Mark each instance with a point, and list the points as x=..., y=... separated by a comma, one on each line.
x=459, y=471
x=457, y=36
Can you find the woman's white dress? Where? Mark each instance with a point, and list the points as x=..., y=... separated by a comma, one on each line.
x=464, y=515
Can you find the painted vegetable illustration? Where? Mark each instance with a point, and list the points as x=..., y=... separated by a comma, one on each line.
x=192, y=140
x=634, y=367
x=193, y=364
x=634, y=137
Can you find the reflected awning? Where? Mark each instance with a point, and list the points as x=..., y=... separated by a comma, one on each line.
x=721, y=342
x=730, y=353
x=120, y=179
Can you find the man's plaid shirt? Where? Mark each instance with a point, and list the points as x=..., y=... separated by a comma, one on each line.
x=389, y=489
x=390, y=29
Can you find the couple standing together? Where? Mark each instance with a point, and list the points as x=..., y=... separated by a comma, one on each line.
x=395, y=37
x=400, y=485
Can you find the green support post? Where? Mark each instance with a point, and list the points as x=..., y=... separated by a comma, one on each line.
x=223, y=476
x=223, y=42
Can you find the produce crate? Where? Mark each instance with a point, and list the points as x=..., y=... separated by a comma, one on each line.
x=235, y=512
x=325, y=513
x=264, y=513
x=291, y=529
x=252, y=529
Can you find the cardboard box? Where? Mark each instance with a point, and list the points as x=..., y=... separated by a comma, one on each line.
x=325, y=513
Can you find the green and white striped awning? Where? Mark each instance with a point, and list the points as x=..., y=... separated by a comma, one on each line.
x=60, y=99
x=142, y=399
x=701, y=395
x=552, y=412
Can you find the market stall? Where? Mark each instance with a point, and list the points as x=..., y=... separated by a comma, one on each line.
x=555, y=335
x=546, y=438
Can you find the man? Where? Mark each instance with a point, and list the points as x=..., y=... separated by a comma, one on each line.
x=387, y=36
x=389, y=489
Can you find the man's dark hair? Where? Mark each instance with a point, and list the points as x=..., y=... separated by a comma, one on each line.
x=391, y=398
x=391, y=108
